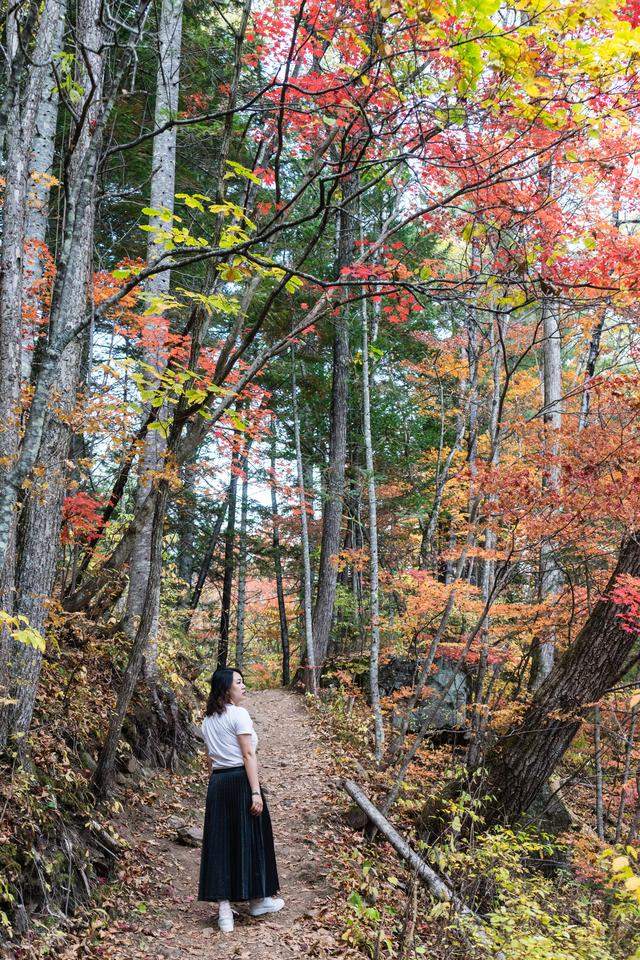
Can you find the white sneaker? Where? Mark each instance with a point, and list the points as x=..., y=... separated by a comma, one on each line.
x=225, y=920
x=266, y=905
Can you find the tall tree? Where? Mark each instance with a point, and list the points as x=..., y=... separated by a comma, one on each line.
x=550, y=571
x=335, y=472
x=163, y=171
x=209, y=551
x=41, y=180
x=229, y=562
x=309, y=657
x=39, y=530
x=23, y=98
x=277, y=562
x=374, y=585
x=242, y=562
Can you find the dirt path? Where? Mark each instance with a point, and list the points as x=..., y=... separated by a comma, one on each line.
x=171, y=923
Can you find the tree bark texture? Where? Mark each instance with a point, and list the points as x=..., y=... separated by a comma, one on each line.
x=41, y=178
x=163, y=169
x=104, y=773
x=524, y=760
x=24, y=96
x=62, y=331
x=39, y=528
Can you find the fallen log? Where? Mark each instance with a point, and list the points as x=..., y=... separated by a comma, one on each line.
x=438, y=887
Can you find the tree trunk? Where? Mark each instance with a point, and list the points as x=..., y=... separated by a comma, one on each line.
x=24, y=90
x=163, y=167
x=483, y=684
x=208, y=556
x=277, y=562
x=62, y=331
x=374, y=599
x=229, y=564
x=40, y=522
x=522, y=763
x=550, y=573
x=597, y=742
x=103, y=776
x=41, y=175
x=311, y=677
x=428, y=558
x=590, y=368
x=596, y=334
x=437, y=886
x=626, y=773
x=186, y=532
x=242, y=563
x=333, y=504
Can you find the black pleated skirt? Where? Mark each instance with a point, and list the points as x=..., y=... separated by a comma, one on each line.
x=238, y=860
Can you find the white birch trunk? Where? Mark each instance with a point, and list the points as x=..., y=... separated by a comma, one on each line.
x=550, y=574
x=374, y=596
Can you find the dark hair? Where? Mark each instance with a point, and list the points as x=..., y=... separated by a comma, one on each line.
x=221, y=682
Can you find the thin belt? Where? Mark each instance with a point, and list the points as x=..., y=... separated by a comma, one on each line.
x=225, y=769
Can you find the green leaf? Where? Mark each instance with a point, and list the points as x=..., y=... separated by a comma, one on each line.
x=191, y=200
x=236, y=420
x=239, y=171
x=161, y=426
x=355, y=900
x=161, y=213
x=293, y=284
x=30, y=638
x=195, y=396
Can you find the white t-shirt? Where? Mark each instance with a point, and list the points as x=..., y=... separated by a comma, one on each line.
x=220, y=732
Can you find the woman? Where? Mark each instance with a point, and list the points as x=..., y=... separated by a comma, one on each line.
x=238, y=860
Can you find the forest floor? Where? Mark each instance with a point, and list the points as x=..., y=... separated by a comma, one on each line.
x=168, y=921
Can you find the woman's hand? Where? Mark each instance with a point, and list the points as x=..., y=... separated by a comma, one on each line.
x=256, y=805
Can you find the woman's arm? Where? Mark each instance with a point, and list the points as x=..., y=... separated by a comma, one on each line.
x=209, y=765
x=251, y=766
